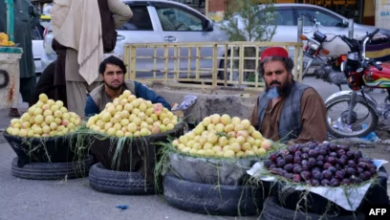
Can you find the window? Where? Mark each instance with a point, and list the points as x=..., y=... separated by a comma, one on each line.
x=324, y=18
x=140, y=20
x=177, y=19
x=284, y=17
x=37, y=32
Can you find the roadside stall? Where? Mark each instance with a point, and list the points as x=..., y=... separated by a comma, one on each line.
x=40, y=137
x=45, y=141
x=321, y=180
x=212, y=170
x=223, y=166
x=125, y=139
x=205, y=169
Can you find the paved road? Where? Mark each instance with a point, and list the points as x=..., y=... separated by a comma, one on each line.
x=75, y=200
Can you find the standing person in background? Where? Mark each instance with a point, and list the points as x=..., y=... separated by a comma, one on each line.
x=45, y=85
x=26, y=17
x=76, y=28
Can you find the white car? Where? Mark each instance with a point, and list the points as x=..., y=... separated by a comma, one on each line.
x=287, y=15
x=147, y=26
x=37, y=47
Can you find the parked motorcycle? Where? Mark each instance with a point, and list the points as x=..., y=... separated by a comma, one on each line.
x=361, y=72
x=315, y=50
x=329, y=70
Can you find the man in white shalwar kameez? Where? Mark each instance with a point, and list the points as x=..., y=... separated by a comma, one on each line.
x=77, y=25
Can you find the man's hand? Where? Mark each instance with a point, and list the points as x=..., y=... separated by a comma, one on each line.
x=122, y=12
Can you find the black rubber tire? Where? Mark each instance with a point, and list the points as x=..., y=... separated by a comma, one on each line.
x=369, y=129
x=289, y=198
x=118, y=182
x=376, y=196
x=212, y=199
x=273, y=211
x=6, y=79
x=52, y=171
x=138, y=154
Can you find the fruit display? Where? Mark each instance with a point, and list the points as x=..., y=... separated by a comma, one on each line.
x=4, y=40
x=321, y=164
x=130, y=116
x=44, y=119
x=223, y=136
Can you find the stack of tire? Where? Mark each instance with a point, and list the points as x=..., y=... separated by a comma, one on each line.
x=44, y=140
x=130, y=172
x=125, y=139
x=51, y=158
x=207, y=169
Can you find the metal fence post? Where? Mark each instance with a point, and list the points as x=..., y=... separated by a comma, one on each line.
x=206, y=8
x=350, y=28
x=298, y=50
x=300, y=29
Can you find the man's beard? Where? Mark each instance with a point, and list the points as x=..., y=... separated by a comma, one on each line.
x=278, y=91
x=115, y=88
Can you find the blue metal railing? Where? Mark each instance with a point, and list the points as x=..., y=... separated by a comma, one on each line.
x=10, y=19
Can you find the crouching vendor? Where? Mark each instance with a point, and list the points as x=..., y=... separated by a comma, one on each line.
x=295, y=113
x=113, y=70
x=288, y=110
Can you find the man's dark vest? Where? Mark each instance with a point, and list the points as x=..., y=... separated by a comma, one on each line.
x=108, y=27
x=100, y=97
x=290, y=125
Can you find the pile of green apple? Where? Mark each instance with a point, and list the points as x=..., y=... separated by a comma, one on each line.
x=223, y=136
x=46, y=118
x=130, y=116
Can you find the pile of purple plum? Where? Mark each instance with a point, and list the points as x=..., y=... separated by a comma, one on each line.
x=324, y=164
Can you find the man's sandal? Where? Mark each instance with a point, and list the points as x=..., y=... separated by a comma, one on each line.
x=14, y=112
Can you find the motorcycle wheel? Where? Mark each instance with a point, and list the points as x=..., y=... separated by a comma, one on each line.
x=363, y=132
